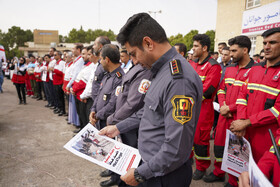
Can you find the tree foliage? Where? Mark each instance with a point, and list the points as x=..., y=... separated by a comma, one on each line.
x=187, y=39
x=13, y=39
x=83, y=36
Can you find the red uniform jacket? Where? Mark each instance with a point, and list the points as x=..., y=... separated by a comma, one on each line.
x=210, y=73
x=230, y=86
x=259, y=101
x=79, y=87
x=58, y=73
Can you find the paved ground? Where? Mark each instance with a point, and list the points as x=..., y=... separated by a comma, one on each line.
x=31, y=147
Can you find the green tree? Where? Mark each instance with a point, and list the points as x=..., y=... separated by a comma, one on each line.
x=211, y=34
x=176, y=39
x=188, y=38
x=14, y=38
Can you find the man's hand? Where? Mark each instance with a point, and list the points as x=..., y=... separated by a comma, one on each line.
x=110, y=131
x=129, y=179
x=92, y=119
x=68, y=89
x=224, y=110
x=244, y=180
x=240, y=133
x=72, y=92
x=239, y=125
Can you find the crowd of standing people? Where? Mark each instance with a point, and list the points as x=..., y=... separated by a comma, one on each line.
x=159, y=99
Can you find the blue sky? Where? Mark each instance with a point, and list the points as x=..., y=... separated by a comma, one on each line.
x=178, y=16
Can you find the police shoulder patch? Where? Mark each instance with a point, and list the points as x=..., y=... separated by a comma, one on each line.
x=182, y=108
x=144, y=86
x=118, y=90
x=176, y=69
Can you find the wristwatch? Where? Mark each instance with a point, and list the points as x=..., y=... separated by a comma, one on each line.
x=138, y=177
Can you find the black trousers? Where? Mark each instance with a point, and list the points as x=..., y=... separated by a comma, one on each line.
x=59, y=97
x=181, y=177
x=21, y=91
x=40, y=89
x=88, y=107
x=81, y=110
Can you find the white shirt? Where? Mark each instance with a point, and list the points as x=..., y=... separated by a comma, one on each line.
x=87, y=92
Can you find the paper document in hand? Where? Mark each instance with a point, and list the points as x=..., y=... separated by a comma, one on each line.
x=236, y=154
x=257, y=178
x=104, y=151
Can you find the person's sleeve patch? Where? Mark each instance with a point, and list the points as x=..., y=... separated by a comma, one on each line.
x=182, y=108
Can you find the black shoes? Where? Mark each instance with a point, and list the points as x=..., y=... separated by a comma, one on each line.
x=213, y=178
x=48, y=105
x=77, y=130
x=39, y=98
x=109, y=182
x=20, y=102
x=61, y=113
x=197, y=175
x=105, y=173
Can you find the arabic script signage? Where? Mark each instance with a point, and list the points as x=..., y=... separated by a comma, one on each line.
x=257, y=20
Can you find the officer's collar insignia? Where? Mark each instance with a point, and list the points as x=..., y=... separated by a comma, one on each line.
x=118, y=74
x=144, y=86
x=275, y=78
x=175, y=67
x=182, y=108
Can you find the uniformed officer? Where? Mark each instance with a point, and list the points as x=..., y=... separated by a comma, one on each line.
x=130, y=99
x=100, y=72
x=104, y=103
x=171, y=109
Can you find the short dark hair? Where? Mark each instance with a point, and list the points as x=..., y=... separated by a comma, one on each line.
x=89, y=47
x=203, y=39
x=30, y=55
x=222, y=43
x=182, y=48
x=262, y=51
x=226, y=48
x=103, y=40
x=241, y=41
x=111, y=51
x=270, y=32
x=137, y=27
x=47, y=55
x=54, y=49
x=211, y=53
x=215, y=53
x=79, y=46
x=256, y=55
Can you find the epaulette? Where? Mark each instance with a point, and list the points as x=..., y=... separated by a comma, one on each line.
x=176, y=69
x=212, y=61
x=118, y=74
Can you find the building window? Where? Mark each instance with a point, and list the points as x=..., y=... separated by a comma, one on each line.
x=253, y=45
x=252, y=3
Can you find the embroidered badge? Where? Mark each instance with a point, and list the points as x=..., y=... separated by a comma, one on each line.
x=118, y=90
x=175, y=67
x=144, y=86
x=182, y=108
